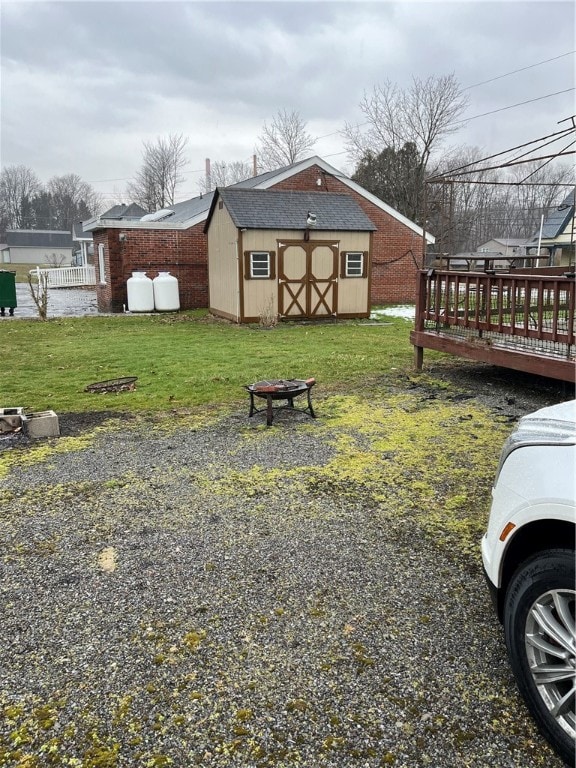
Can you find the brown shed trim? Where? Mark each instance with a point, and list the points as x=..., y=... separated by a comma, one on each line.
x=343, y=274
x=271, y=254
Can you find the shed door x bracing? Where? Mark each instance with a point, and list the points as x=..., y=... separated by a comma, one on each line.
x=307, y=278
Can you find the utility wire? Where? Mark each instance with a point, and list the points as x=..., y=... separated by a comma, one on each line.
x=511, y=106
x=515, y=71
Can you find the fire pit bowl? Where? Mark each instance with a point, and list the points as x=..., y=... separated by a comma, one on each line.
x=280, y=389
x=126, y=384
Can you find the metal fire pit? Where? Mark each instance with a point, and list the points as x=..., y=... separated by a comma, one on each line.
x=278, y=390
x=126, y=384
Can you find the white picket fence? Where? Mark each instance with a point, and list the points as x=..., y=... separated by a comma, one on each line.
x=66, y=277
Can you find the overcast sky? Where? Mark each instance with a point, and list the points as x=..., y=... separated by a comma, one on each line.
x=85, y=83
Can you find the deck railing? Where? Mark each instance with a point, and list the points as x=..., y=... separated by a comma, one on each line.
x=67, y=277
x=491, y=316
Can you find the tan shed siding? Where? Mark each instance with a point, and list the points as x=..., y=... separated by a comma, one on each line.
x=353, y=294
x=259, y=295
x=262, y=294
x=223, y=264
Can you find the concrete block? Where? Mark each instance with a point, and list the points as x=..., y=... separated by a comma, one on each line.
x=11, y=419
x=42, y=424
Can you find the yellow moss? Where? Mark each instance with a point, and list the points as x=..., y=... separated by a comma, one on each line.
x=427, y=462
x=45, y=449
x=193, y=639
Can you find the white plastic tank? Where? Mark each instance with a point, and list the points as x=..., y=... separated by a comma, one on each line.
x=140, y=293
x=166, y=295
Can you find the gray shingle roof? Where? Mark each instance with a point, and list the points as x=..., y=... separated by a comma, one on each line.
x=121, y=211
x=268, y=209
x=187, y=209
x=38, y=238
x=78, y=232
x=557, y=219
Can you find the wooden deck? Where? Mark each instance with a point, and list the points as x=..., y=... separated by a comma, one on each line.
x=521, y=321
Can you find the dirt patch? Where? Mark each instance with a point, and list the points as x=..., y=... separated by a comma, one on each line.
x=511, y=393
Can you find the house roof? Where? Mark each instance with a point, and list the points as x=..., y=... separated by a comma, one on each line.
x=38, y=238
x=557, y=220
x=508, y=242
x=195, y=211
x=120, y=215
x=121, y=211
x=79, y=234
x=270, y=209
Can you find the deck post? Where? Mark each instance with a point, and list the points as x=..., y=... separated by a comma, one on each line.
x=418, y=357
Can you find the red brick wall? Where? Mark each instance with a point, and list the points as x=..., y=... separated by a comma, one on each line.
x=396, y=253
x=183, y=253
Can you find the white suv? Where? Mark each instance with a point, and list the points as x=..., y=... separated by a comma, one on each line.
x=528, y=557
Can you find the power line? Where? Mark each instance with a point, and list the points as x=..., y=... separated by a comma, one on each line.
x=512, y=106
x=515, y=71
x=475, y=85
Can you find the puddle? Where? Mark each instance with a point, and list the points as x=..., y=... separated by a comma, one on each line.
x=62, y=302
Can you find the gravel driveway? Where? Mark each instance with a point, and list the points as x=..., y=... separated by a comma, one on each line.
x=184, y=592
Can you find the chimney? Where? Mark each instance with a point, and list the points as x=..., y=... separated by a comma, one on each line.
x=208, y=175
x=255, y=165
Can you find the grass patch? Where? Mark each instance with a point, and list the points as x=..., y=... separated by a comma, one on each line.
x=22, y=270
x=183, y=361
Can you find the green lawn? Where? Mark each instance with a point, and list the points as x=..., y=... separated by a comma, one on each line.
x=185, y=360
x=21, y=270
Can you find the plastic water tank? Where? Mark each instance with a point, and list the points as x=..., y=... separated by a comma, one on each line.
x=166, y=296
x=140, y=293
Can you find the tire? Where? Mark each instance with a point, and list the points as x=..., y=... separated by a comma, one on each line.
x=539, y=625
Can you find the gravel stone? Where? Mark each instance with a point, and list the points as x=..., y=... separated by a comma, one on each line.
x=232, y=625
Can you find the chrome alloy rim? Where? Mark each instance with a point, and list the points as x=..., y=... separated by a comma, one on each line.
x=551, y=650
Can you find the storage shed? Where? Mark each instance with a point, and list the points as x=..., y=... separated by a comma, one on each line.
x=288, y=254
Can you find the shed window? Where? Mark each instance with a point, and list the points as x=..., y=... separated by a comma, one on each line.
x=353, y=264
x=259, y=265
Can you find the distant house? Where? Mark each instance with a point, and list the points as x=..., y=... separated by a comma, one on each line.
x=506, y=246
x=83, y=246
x=289, y=254
x=38, y=247
x=558, y=233
x=175, y=240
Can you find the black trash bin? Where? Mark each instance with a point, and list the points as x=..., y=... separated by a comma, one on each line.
x=7, y=292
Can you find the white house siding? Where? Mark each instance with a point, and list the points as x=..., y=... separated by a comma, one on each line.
x=40, y=257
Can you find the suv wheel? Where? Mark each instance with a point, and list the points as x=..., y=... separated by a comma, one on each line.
x=539, y=624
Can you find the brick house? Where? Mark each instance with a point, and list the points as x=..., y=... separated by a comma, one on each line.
x=174, y=240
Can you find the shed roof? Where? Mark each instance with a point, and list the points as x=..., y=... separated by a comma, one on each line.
x=269, y=209
x=38, y=238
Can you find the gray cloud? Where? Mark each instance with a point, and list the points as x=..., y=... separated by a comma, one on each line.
x=84, y=83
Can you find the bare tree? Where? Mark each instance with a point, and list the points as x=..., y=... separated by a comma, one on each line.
x=18, y=185
x=405, y=128
x=423, y=115
x=531, y=201
x=155, y=184
x=222, y=174
x=39, y=292
x=283, y=142
x=70, y=200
